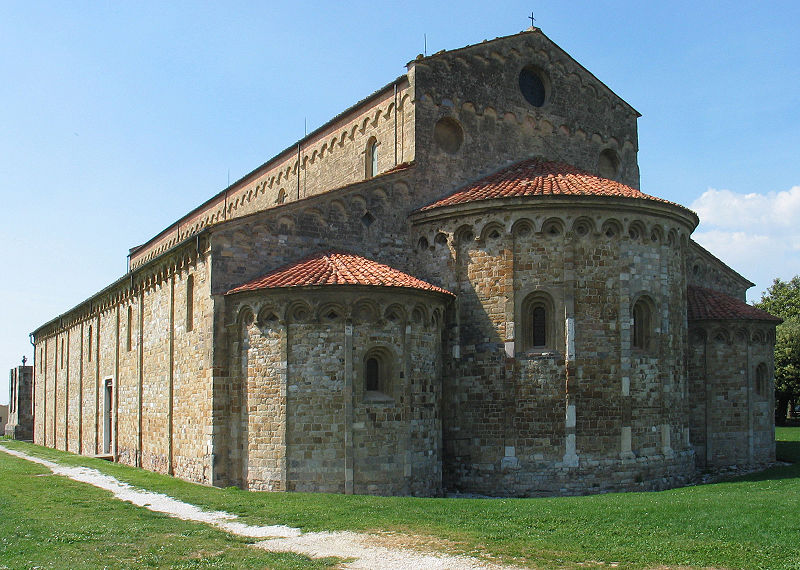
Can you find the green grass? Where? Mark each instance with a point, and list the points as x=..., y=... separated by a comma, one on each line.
x=752, y=522
x=48, y=521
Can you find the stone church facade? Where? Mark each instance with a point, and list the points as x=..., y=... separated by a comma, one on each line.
x=454, y=285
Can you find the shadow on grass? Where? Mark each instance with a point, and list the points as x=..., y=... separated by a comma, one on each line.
x=785, y=451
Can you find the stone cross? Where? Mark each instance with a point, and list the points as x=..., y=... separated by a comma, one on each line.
x=24, y=360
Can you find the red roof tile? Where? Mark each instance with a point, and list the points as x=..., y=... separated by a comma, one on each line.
x=536, y=177
x=336, y=268
x=709, y=305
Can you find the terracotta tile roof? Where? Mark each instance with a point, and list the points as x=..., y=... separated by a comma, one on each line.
x=537, y=177
x=709, y=305
x=336, y=268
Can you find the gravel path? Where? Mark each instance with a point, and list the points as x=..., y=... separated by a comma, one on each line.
x=363, y=551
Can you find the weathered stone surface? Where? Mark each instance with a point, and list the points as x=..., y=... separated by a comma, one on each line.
x=613, y=389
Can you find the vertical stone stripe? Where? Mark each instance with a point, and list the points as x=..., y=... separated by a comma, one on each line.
x=138, y=459
x=624, y=320
x=55, y=392
x=44, y=394
x=97, y=388
x=66, y=395
x=83, y=352
x=284, y=395
x=750, y=383
x=709, y=395
x=510, y=387
x=171, y=374
x=348, y=408
x=570, y=421
x=115, y=387
x=405, y=437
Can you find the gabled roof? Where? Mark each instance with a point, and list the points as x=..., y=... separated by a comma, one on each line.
x=537, y=177
x=709, y=305
x=531, y=30
x=336, y=268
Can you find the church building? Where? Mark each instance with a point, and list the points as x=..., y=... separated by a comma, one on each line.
x=455, y=285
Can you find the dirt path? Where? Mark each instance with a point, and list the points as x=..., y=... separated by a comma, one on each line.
x=363, y=551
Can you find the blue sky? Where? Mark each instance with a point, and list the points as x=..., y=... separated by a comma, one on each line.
x=117, y=118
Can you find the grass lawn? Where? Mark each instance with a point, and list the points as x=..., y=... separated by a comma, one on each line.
x=753, y=522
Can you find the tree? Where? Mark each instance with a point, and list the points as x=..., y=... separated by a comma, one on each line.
x=782, y=299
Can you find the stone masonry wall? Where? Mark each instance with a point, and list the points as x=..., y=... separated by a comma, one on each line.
x=18, y=423
x=478, y=87
x=308, y=424
x=330, y=158
x=526, y=422
x=368, y=219
x=732, y=417
x=159, y=373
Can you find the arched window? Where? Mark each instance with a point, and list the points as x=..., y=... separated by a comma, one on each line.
x=371, y=158
x=643, y=316
x=372, y=374
x=539, y=327
x=377, y=367
x=761, y=379
x=538, y=322
x=281, y=196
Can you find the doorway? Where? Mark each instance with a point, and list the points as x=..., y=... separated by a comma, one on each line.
x=108, y=415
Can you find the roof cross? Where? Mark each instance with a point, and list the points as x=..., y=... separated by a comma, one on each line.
x=532, y=19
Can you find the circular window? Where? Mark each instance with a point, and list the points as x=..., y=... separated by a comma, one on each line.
x=534, y=85
x=448, y=134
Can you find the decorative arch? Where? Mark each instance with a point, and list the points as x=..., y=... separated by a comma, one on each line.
x=492, y=231
x=365, y=311
x=583, y=226
x=331, y=313
x=419, y=316
x=395, y=313
x=522, y=227
x=298, y=312
x=611, y=228
x=553, y=227
x=463, y=235
x=268, y=317
x=637, y=230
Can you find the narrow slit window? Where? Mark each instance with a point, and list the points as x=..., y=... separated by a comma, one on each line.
x=89, y=350
x=190, y=303
x=128, y=330
x=642, y=325
x=371, y=158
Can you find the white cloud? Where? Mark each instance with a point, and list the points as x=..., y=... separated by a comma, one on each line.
x=730, y=210
x=758, y=235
